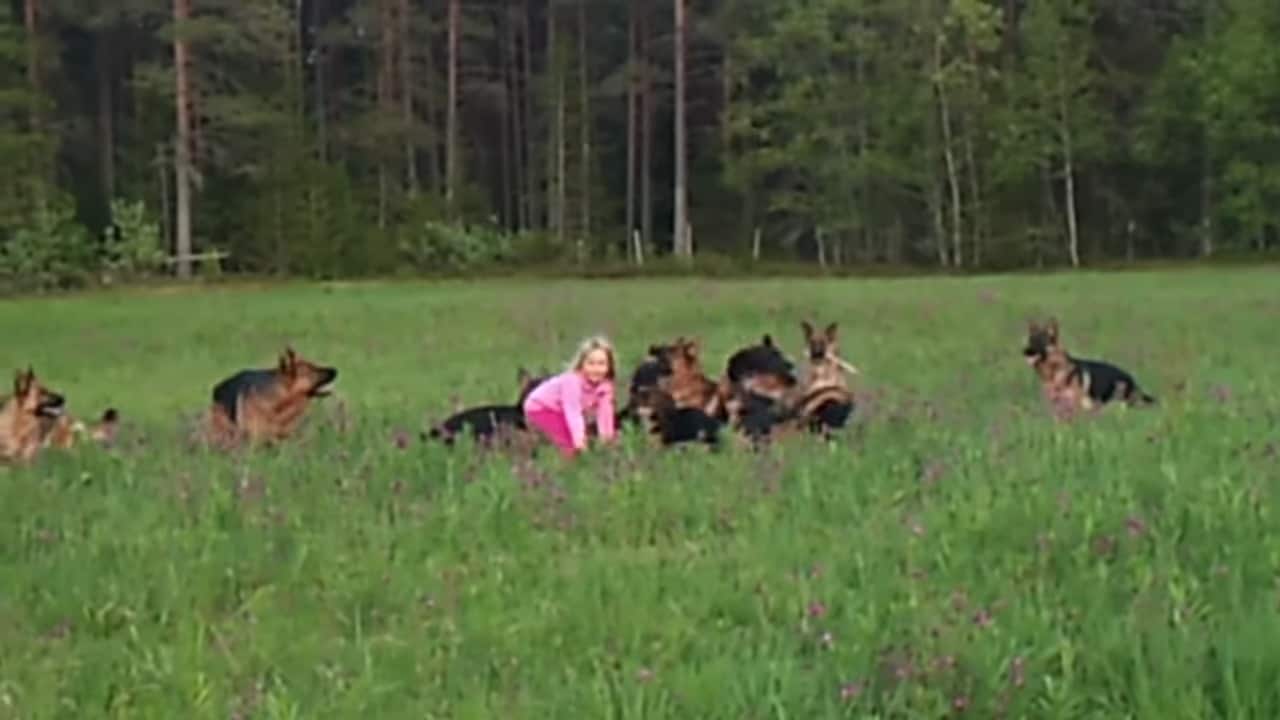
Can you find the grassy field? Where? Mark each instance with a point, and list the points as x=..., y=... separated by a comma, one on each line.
x=957, y=552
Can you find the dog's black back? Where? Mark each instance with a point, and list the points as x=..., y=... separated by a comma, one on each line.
x=485, y=421
x=227, y=393
x=764, y=358
x=1106, y=382
x=482, y=422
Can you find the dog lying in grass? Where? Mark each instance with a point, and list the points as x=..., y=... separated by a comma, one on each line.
x=669, y=396
x=1071, y=383
x=267, y=405
x=34, y=418
x=485, y=422
x=755, y=391
x=825, y=402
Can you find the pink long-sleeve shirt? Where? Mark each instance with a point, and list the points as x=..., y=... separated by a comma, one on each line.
x=572, y=396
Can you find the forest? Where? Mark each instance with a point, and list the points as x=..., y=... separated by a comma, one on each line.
x=328, y=138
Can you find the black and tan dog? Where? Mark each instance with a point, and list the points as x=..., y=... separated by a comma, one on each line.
x=26, y=417
x=668, y=425
x=756, y=390
x=648, y=376
x=669, y=372
x=486, y=422
x=687, y=384
x=824, y=402
x=1073, y=383
x=266, y=405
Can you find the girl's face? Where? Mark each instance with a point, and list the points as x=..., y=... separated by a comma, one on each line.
x=595, y=366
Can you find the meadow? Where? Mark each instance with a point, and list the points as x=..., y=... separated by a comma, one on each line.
x=956, y=552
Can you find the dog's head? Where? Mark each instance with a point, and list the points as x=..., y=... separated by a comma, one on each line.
x=1042, y=342
x=303, y=377
x=820, y=346
x=682, y=356
x=527, y=381
x=32, y=398
x=653, y=369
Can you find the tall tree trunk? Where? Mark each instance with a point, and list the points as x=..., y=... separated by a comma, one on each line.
x=430, y=108
x=646, y=126
x=1069, y=180
x=534, y=211
x=978, y=225
x=555, y=214
x=515, y=106
x=948, y=154
x=104, y=66
x=562, y=152
x=451, y=120
x=584, y=127
x=31, y=18
x=631, y=124
x=406, y=98
x=934, y=192
x=386, y=105
x=182, y=142
x=319, y=49
x=1206, y=195
x=867, y=236
x=680, y=234
x=978, y=228
x=506, y=139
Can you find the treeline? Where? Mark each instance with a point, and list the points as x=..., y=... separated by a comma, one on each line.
x=343, y=137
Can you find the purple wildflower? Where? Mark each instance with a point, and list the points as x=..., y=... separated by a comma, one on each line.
x=850, y=691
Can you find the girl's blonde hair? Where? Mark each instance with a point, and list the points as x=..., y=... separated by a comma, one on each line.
x=590, y=345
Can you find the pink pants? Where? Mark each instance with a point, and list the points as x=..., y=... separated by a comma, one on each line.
x=552, y=424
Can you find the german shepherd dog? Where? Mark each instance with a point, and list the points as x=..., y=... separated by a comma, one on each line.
x=648, y=375
x=687, y=385
x=25, y=417
x=755, y=390
x=486, y=421
x=824, y=402
x=267, y=405
x=1075, y=383
x=652, y=404
x=669, y=424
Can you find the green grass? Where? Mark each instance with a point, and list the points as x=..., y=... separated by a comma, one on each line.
x=956, y=549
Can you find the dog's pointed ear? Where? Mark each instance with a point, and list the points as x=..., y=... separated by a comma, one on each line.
x=288, y=360
x=830, y=332
x=523, y=376
x=1033, y=326
x=22, y=381
x=807, y=327
x=691, y=348
x=1052, y=328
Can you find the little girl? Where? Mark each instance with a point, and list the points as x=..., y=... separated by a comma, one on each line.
x=558, y=406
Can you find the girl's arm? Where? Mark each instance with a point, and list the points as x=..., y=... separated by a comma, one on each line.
x=571, y=405
x=604, y=414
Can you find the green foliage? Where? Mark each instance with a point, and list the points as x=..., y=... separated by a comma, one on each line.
x=438, y=246
x=54, y=251
x=908, y=132
x=134, y=247
x=956, y=549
